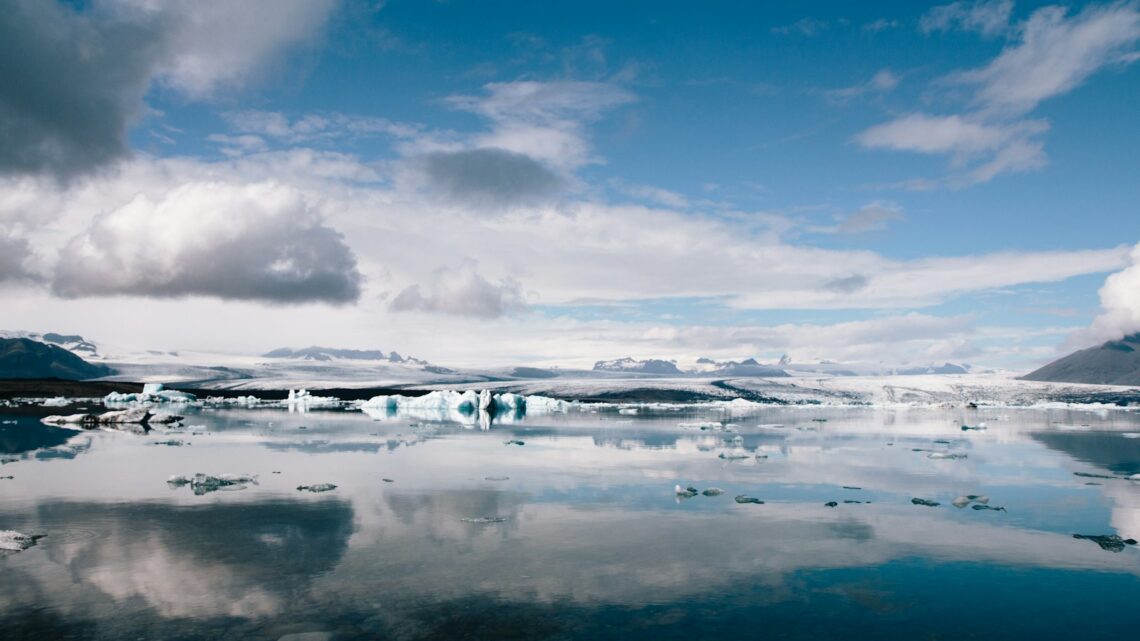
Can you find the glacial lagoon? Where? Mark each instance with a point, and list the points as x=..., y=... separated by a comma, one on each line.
x=570, y=525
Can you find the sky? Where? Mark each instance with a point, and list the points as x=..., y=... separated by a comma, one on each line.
x=486, y=183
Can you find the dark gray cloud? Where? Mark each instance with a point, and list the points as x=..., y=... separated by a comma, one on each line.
x=491, y=176
x=846, y=285
x=14, y=253
x=73, y=83
x=461, y=292
x=258, y=242
x=74, y=79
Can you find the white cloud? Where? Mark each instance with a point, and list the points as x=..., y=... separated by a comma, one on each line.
x=882, y=82
x=1054, y=55
x=461, y=292
x=314, y=127
x=217, y=43
x=543, y=120
x=1120, y=304
x=255, y=242
x=987, y=17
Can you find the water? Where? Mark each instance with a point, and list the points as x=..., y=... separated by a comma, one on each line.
x=576, y=534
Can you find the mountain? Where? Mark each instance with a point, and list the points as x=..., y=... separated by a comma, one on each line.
x=330, y=353
x=747, y=367
x=945, y=368
x=1113, y=363
x=27, y=358
x=648, y=366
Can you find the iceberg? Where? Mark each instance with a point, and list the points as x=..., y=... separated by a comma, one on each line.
x=152, y=393
x=461, y=407
x=13, y=541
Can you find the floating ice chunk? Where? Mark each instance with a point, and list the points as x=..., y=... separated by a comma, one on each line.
x=925, y=502
x=1108, y=542
x=832, y=504
x=741, y=498
x=980, y=506
x=58, y=401
x=13, y=541
x=171, y=443
x=733, y=456
x=152, y=393
x=685, y=492
x=165, y=418
x=1131, y=434
x=628, y=411
x=205, y=483
x=514, y=441
x=713, y=491
x=946, y=456
x=978, y=428
x=319, y=487
x=963, y=501
x=482, y=520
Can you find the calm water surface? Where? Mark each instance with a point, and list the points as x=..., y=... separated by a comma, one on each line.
x=439, y=530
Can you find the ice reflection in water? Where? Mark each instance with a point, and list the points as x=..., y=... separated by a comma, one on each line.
x=439, y=531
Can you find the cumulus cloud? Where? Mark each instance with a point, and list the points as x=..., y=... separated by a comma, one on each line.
x=461, y=292
x=260, y=242
x=14, y=254
x=987, y=17
x=75, y=78
x=1120, y=303
x=488, y=176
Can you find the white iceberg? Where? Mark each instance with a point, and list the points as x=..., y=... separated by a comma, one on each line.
x=461, y=407
x=152, y=393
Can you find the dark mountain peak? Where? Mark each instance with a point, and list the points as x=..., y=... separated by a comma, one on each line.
x=1111, y=363
x=27, y=358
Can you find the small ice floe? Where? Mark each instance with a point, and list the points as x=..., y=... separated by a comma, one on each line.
x=819, y=420
x=1090, y=475
x=947, y=456
x=116, y=419
x=165, y=418
x=979, y=506
x=58, y=401
x=13, y=541
x=925, y=502
x=854, y=502
x=387, y=480
x=966, y=499
x=514, y=441
x=771, y=426
x=980, y=427
x=496, y=478
x=733, y=456
x=832, y=504
x=713, y=491
x=483, y=520
x=685, y=492
x=745, y=499
x=1109, y=542
x=628, y=411
x=7, y=460
x=1131, y=434
x=851, y=487
x=205, y=483
x=319, y=487
x=174, y=442
x=7, y=478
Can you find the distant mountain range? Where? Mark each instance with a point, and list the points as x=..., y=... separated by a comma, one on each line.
x=28, y=358
x=705, y=367
x=1113, y=363
x=331, y=353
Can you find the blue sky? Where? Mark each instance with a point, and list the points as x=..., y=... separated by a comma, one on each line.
x=486, y=182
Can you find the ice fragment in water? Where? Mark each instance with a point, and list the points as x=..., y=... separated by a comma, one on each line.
x=945, y=456
x=963, y=501
x=741, y=498
x=484, y=519
x=13, y=541
x=713, y=491
x=319, y=487
x=514, y=441
x=926, y=502
x=1109, y=542
x=685, y=492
